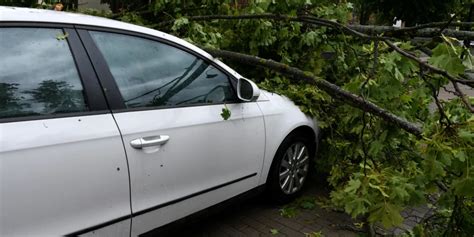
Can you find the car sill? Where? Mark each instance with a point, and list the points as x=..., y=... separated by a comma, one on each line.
x=89, y=229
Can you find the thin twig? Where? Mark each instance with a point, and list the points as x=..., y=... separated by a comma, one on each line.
x=441, y=29
x=433, y=25
x=463, y=96
x=434, y=93
x=428, y=66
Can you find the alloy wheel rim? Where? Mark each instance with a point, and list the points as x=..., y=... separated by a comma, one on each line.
x=294, y=168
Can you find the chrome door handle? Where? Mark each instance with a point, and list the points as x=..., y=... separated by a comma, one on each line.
x=140, y=143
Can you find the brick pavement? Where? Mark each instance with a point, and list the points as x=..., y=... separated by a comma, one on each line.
x=255, y=217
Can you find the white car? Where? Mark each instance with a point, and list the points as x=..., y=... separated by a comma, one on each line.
x=108, y=128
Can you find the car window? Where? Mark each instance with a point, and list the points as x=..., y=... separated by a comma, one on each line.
x=38, y=75
x=150, y=73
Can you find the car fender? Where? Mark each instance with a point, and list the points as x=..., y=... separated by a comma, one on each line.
x=281, y=117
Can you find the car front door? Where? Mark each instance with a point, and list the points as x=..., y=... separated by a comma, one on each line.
x=183, y=154
x=63, y=169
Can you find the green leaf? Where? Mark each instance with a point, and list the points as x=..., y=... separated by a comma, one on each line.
x=434, y=168
x=446, y=58
x=225, y=113
x=465, y=134
x=314, y=234
x=379, y=188
x=388, y=214
x=352, y=186
x=464, y=187
x=274, y=231
x=178, y=23
x=356, y=206
x=307, y=205
x=62, y=36
x=460, y=155
x=288, y=212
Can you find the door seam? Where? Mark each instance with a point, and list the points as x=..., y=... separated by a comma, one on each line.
x=118, y=128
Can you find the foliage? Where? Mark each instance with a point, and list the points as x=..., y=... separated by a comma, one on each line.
x=314, y=234
x=274, y=231
x=225, y=113
x=305, y=202
x=288, y=211
x=376, y=170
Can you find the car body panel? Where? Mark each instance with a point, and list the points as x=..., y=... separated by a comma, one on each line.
x=281, y=116
x=53, y=173
x=187, y=207
x=203, y=151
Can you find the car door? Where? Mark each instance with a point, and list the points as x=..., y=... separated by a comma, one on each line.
x=183, y=155
x=63, y=168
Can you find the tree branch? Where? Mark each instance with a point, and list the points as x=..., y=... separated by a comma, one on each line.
x=391, y=31
x=434, y=25
x=463, y=96
x=435, y=93
x=331, y=89
x=428, y=66
x=425, y=30
x=345, y=29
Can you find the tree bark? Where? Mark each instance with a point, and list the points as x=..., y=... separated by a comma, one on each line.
x=333, y=90
x=413, y=32
x=425, y=30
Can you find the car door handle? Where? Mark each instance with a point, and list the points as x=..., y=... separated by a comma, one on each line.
x=140, y=143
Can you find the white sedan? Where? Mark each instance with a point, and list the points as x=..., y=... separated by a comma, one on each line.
x=108, y=128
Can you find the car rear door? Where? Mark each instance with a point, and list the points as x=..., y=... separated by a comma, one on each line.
x=183, y=155
x=63, y=169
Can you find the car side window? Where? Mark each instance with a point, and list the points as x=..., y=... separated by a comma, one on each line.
x=149, y=73
x=38, y=75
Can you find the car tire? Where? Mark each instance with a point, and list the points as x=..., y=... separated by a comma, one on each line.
x=290, y=170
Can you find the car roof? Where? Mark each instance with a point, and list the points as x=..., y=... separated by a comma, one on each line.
x=20, y=14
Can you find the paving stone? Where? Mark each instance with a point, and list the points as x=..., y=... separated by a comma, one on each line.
x=257, y=225
x=256, y=218
x=329, y=233
x=276, y=225
x=289, y=222
x=346, y=233
x=249, y=231
x=231, y=231
x=405, y=214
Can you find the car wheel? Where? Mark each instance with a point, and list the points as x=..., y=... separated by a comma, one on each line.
x=290, y=168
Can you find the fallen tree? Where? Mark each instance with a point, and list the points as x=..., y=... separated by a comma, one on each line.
x=384, y=148
x=425, y=30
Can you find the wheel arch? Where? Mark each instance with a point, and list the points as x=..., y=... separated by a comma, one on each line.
x=304, y=130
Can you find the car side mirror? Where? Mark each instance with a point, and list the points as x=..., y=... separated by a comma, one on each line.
x=247, y=90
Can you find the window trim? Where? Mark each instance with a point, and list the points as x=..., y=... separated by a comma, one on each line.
x=114, y=97
x=95, y=101
x=93, y=90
